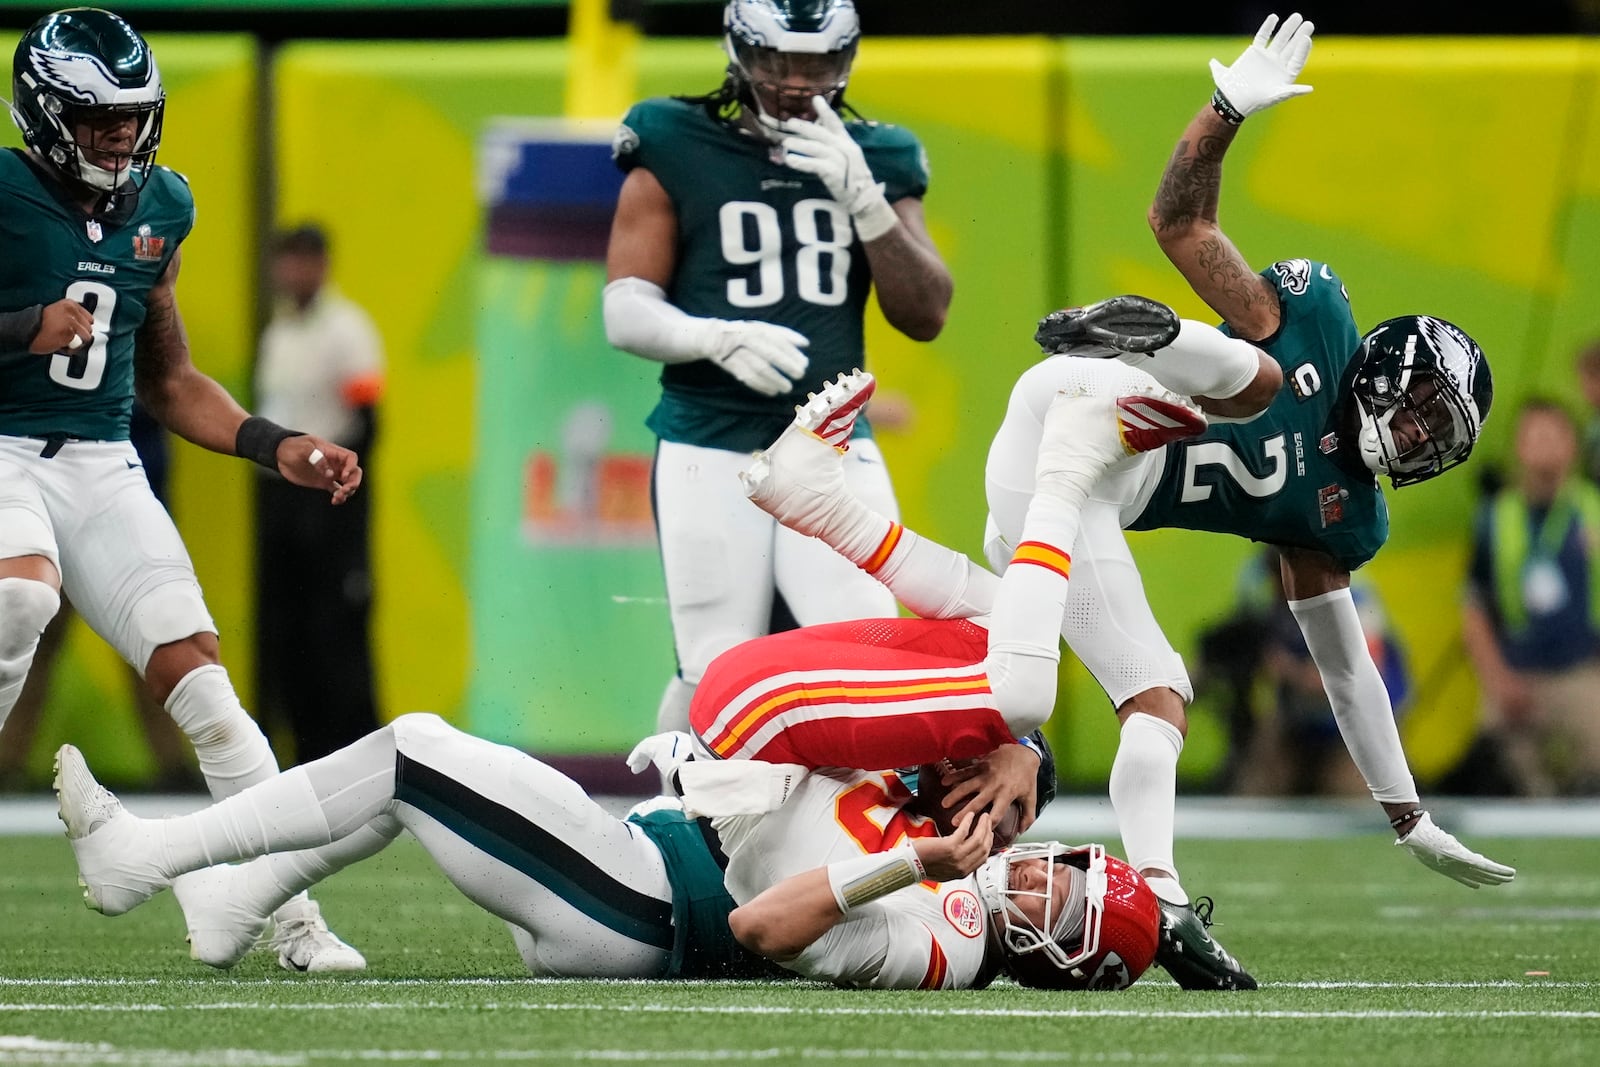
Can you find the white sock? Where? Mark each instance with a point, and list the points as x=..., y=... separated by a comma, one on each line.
x=1201, y=361
x=232, y=750
x=280, y=880
x=860, y=534
x=1144, y=786
x=936, y=582
x=281, y=814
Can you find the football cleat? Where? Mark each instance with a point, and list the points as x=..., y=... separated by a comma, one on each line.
x=799, y=479
x=1191, y=955
x=1108, y=328
x=110, y=844
x=1085, y=435
x=1147, y=422
x=221, y=930
x=305, y=943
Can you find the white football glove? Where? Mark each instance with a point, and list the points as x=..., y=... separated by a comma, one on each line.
x=762, y=355
x=1441, y=851
x=1264, y=73
x=667, y=752
x=826, y=149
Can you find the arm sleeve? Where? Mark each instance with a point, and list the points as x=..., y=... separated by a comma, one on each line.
x=882, y=947
x=641, y=321
x=1332, y=629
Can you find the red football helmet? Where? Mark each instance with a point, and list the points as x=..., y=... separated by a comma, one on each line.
x=1102, y=935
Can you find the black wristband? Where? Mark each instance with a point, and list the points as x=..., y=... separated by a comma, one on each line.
x=1223, y=107
x=1414, y=813
x=19, y=328
x=258, y=439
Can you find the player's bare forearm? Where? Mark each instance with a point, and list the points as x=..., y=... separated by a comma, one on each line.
x=782, y=921
x=1191, y=186
x=195, y=407
x=1184, y=221
x=913, y=284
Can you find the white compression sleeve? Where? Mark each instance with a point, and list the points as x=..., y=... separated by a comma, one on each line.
x=1201, y=361
x=1332, y=629
x=639, y=319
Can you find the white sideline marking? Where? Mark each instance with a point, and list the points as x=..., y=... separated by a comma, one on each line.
x=762, y=1009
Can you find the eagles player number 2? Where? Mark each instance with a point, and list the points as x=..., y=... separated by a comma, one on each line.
x=1221, y=454
x=84, y=368
x=742, y=219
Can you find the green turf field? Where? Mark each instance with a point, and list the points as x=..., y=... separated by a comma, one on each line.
x=1364, y=957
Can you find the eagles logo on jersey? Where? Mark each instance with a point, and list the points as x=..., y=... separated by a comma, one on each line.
x=1295, y=275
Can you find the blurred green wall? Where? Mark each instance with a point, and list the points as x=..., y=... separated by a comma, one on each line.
x=1458, y=177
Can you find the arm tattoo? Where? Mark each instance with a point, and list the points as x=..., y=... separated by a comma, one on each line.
x=1192, y=183
x=161, y=345
x=1224, y=266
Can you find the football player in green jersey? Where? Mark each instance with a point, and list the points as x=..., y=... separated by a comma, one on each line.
x=752, y=225
x=88, y=316
x=1406, y=401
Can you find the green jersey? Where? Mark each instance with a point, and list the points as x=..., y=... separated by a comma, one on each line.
x=1282, y=478
x=758, y=240
x=703, y=946
x=108, y=263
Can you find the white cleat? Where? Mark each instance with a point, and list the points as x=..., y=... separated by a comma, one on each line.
x=1085, y=435
x=305, y=943
x=221, y=930
x=111, y=845
x=799, y=479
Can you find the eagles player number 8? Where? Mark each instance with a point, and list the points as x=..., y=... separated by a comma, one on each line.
x=84, y=368
x=815, y=251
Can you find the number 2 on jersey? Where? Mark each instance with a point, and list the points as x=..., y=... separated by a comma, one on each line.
x=84, y=368
x=752, y=236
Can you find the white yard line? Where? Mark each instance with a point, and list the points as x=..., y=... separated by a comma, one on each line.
x=646, y=983
x=25, y=1050
x=807, y=1012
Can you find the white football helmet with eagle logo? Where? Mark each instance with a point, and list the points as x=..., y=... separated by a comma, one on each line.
x=783, y=52
x=77, y=67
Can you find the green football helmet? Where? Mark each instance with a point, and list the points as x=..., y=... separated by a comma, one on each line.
x=783, y=52
x=87, y=97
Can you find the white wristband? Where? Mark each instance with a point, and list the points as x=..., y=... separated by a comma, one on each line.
x=866, y=878
x=873, y=216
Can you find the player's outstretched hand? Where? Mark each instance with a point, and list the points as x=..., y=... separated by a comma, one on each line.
x=1441, y=851
x=826, y=149
x=958, y=854
x=316, y=463
x=65, y=326
x=763, y=355
x=1265, y=73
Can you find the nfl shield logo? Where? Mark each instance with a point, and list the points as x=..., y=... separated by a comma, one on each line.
x=145, y=246
x=93, y=226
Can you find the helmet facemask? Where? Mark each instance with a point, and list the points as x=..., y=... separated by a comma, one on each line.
x=1066, y=902
x=784, y=53
x=94, y=149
